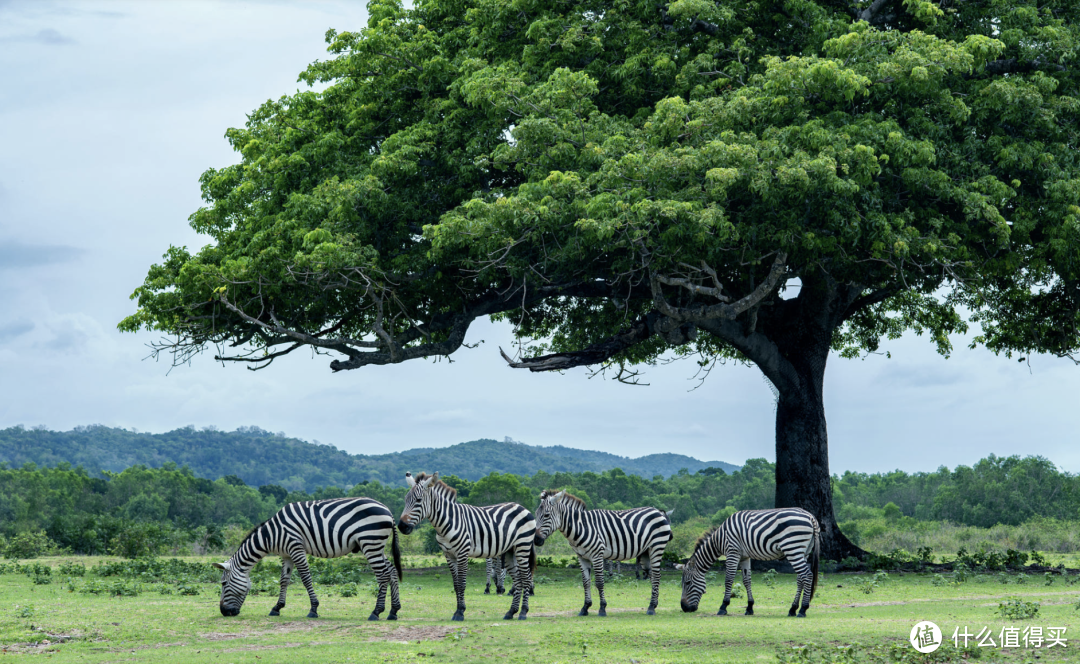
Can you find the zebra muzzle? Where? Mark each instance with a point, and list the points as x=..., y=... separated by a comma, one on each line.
x=404, y=527
x=229, y=611
x=538, y=540
x=687, y=608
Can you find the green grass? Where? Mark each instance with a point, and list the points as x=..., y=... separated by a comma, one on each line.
x=183, y=628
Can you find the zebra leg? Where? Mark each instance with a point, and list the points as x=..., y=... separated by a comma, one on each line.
x=805, y=583
x=383, y=577
x=731, y=563
x=585, y=582
x=749, y=595
x=500, y=578
x=395, y=595
x=598, y=579
x=489, y=570
x=300, y=560
x=654, y=576
x=286, y=572
x=461, y=572
x=522, y=581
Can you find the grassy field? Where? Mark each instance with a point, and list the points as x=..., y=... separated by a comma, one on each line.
x=58, y=622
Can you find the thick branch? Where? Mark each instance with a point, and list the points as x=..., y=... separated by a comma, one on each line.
x=639, y=331
x=720, y=311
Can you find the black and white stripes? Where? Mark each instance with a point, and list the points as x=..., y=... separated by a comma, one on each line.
x=790, y=533
x=466, y=531
x=599, y=535
x=324, y=529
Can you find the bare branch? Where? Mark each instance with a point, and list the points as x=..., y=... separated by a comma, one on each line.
x=720, y=311
x=639, y=331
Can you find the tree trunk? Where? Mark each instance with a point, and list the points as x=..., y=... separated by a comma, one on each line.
x=802, y=440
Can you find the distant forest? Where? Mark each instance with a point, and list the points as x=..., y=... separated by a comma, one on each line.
x=145, y=510
x=259, y=457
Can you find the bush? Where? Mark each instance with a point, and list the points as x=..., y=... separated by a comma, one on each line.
x=29, y=545
x=138, y=540
x=1018, y=609
x=72, y=569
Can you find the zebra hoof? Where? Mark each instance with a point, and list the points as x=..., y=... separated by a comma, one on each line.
x=522, y=617
x=651, y=612
x=509, y=615
x=749, y=612
x=458, y=617
x=312, y=614
x=275, y=612
x=583, y=612
x=802, y=614
x=487, y=591
x=602, y=613
x=373, y=616
x=722, y=612
x=500, y=591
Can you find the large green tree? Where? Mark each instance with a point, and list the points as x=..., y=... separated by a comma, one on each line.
x=626, y=179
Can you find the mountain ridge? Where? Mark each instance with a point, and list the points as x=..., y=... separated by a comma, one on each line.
x=259, y=457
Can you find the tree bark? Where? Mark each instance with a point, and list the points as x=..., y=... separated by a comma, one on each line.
x=802, y=455
x=803, y=334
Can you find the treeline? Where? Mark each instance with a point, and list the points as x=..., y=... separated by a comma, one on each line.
x=260, y=457
x=142, y=509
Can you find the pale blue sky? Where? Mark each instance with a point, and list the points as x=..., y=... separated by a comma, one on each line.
x=109, y=111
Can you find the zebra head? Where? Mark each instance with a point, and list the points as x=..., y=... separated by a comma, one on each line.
x=235, y=584
x=417, y=502
x=549, y=515
x=706, y=551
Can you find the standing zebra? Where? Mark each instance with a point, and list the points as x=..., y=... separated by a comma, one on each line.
x=599, y=535
x=790, y=533
x=324, y=529
x=465, y=531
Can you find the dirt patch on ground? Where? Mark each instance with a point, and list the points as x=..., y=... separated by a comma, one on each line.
x=418, y=633
x=247, y=634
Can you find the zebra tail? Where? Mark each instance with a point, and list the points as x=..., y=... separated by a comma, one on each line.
x=532, y=560
x=815, y=564
x=396, y=551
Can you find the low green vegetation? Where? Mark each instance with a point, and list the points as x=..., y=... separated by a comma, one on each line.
x=108, y=609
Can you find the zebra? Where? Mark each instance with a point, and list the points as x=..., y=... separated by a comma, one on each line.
x=321, y=528
x=599, y=535
x=789, y=532
x=466, y=531
x=495, y=569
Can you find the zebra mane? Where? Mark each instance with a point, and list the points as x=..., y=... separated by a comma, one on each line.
x=567, y=497
x=250, y=533
x=438, y=485
x=704, y=538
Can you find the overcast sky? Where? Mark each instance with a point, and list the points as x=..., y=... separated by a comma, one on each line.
x=109, y=112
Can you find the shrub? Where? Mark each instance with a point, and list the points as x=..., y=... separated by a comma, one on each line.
x=769, y=578
x=29, y=545
x=1018, y=609
x=139, y=540
x=72, y=569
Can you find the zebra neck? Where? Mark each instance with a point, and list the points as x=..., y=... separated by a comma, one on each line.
x=709, y=551
x=574, y=526
x=250, y=552
x=443, y=515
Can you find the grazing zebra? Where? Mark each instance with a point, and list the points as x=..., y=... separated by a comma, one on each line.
x=495, y=571
x=790, y=533
x=599, y=535
x=465, y=531
x=324, y=529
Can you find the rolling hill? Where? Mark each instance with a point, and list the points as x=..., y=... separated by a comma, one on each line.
x=259, y=457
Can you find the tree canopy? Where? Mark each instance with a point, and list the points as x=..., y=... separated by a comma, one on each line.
x=621, y=180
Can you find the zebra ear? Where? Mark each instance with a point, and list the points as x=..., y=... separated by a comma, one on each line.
x=222, y=566
x=429, y=481
x=409, y=480
x=679, y=566
x=559, y=495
